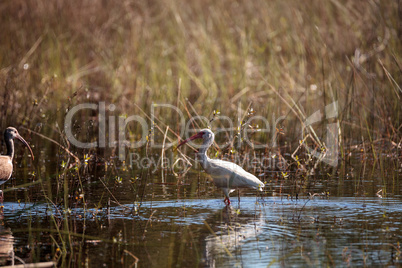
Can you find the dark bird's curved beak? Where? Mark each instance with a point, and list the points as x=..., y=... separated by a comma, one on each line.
x=25, y=143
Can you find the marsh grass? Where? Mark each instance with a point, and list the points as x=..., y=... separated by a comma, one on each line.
x=269, y=58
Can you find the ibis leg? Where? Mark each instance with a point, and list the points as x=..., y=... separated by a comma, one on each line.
x=227, y=201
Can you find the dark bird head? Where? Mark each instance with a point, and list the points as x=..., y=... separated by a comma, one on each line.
x=12, y=133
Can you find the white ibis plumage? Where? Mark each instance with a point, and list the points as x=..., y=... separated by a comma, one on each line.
x=226, y=175
x=6, y=161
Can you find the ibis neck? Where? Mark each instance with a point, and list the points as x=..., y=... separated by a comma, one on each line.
x=202, y=157
x=202, y=152
x=10, y=148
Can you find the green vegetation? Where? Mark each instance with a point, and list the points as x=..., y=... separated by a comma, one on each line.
x=277, y=58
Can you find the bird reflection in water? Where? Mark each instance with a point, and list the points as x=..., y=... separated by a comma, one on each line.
x=230, y=229
x=6, y=245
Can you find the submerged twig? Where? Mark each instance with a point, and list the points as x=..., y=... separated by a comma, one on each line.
x=163, y=152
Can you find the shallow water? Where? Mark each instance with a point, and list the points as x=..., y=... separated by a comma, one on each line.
x=139, y=219
x=167, y=231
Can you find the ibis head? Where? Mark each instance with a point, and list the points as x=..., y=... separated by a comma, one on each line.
x=10, y=134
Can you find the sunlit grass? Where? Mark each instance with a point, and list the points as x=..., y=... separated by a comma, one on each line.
x=265, y=58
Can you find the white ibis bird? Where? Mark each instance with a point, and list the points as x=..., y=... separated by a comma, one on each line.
x=226, y=175
x=6, y=161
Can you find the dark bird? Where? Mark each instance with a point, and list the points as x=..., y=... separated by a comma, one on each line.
x=6, y=161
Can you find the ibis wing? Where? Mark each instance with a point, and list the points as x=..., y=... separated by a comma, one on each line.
x=229, y=175
x=6, y=168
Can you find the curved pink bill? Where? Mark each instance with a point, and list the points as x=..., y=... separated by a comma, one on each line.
x=25, y=143
x=196, y=136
